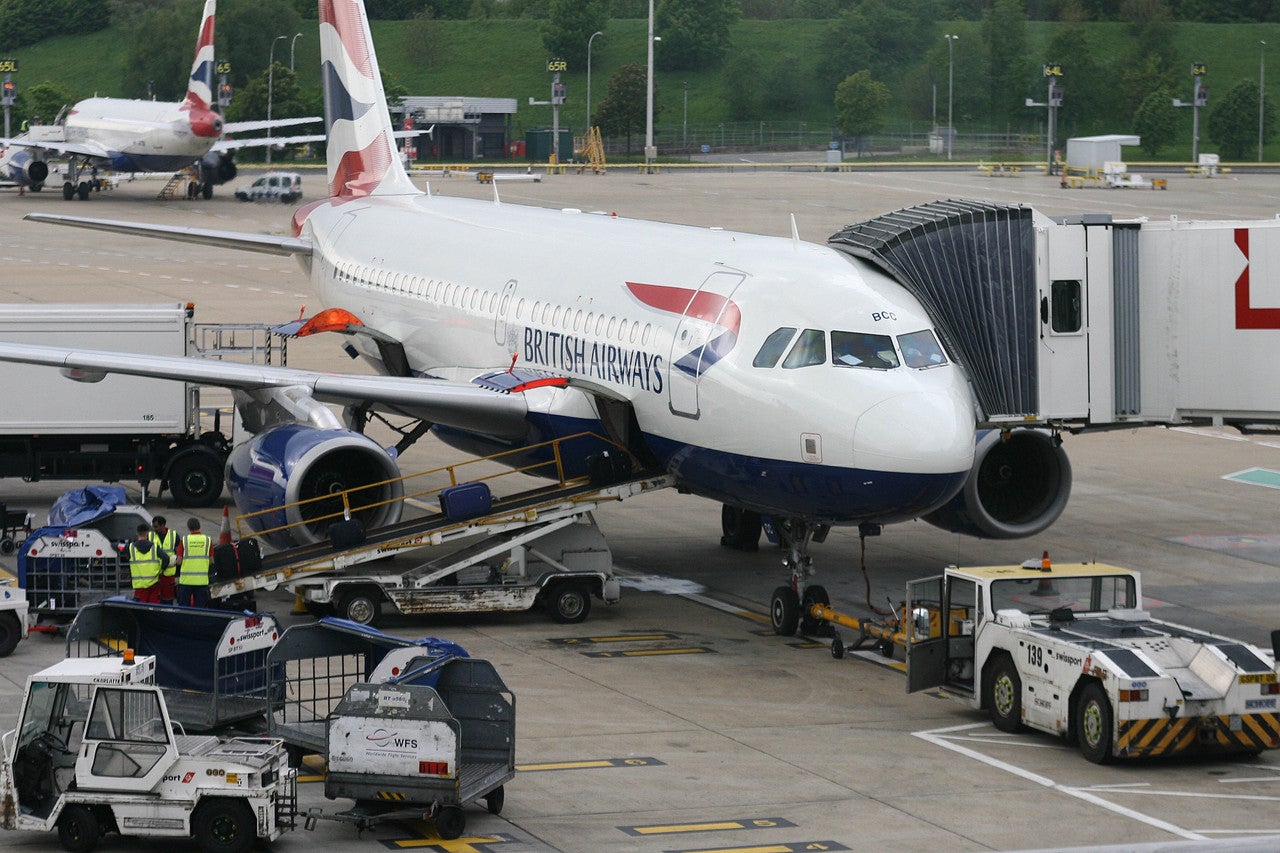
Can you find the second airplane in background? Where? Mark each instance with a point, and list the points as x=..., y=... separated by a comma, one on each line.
x=126, y=135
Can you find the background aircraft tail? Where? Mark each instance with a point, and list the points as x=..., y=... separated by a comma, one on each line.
x=200, y=86
x=363, y=159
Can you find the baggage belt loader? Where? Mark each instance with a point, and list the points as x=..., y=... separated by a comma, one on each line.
x=95, y=751
x=1068, y=649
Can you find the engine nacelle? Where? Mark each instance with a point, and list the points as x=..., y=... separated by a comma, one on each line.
x=205, y=123
x=1019, y=485
x=25, y=169
x=217, y=168
x=286, y=480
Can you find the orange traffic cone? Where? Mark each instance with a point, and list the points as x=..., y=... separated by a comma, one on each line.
x=224, y=534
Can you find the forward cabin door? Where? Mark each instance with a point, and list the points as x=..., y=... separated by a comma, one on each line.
x=707, y=331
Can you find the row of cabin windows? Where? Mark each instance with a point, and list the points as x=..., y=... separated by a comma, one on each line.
x=486, y=301
x=849, y=349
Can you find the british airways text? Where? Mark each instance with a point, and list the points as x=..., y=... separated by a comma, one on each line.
x=606, y=362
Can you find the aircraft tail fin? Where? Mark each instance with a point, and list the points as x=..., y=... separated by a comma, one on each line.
x=200, y=84
x=363, y=159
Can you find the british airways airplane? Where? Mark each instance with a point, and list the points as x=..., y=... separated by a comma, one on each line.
x=127, y=135
x=772, y=375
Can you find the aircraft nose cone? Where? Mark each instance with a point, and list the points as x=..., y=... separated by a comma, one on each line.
x=924, y=432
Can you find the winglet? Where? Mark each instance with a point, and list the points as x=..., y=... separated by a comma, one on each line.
x=200, y=85
x=362, y=153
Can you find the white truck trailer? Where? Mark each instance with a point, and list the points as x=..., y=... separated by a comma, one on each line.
x=1068, y=649
x=121, y=428
x=94, y=751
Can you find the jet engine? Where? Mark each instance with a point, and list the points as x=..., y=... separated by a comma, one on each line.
x=1018, y=486
x=287, y=480
x=26, y=169
x=217, y=168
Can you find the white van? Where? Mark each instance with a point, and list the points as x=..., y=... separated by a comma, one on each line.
x=285, y=186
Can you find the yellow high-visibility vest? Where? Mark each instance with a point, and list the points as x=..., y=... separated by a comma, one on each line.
x=169, y=542
x=196, y=548
x=144, y=569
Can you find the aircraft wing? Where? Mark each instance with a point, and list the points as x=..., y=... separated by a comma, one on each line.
x=457, y=404
x=242, y=126
x=233, y=144
x=79, y=149
x=263, y=243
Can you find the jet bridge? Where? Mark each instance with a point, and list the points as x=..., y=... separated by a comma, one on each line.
x=1089, y=321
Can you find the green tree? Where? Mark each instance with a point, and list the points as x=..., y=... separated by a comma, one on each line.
x=743, y=103
x=1004, y=31
x=961, y=69
x=860, y=104
x=1233, y=121
x=695, y=33
x=247, y=30
x=287, y=99
x=622, y=112
x=843, y=49
x=568, y=28
x=41, y=102
x=24, y=22
x=1156, y=121
x=161, y=47
x=1085, y=82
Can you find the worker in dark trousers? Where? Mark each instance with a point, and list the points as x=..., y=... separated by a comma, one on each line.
x=147, y=561
x=167, y=541
x=193, y=566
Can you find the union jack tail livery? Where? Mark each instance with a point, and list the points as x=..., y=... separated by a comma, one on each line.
x=200, y=86
x=362, y=152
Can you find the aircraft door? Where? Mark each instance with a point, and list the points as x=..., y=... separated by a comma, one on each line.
x=707, y=331
x=504, y=334
x=1064, y=331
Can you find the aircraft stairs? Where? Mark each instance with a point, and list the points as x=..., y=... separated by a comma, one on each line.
x=510, y=515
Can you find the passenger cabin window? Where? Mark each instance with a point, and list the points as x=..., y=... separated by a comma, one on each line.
x=863, y=349
x=809, y=349
x=773, y=347
x=1067, y=314
x=921, y=349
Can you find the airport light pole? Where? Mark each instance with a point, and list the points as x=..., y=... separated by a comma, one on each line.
x=292, y=44
x=271, y=80
x=589, y=41
x=1262, y=76
x=951, y=41
x=684, y=125
x=650, y=153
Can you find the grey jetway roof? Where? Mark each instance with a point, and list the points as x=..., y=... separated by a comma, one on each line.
x=972, y=265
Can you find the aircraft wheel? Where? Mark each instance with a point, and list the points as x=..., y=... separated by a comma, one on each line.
x=68, y=191
x=784, y=611
x=1094, y=723
x=35, y=188
x=206, y=191
x=740, y=528
x=1002, y=693
x=82, y=190
x=78, y=829
x=450, y=822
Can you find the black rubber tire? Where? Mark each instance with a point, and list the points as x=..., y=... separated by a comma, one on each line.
x=784, y=611
x=82, y=190
x=68, y=191
x=450, y=822
x=837, y=647
x=10, y=632
x=318, y=610
x=8, y=546
x=1094, y=722
x=568, y=603
x=195, y=478
x=1002, y=693
x=224, y=825
x=810, y=627
x=206, y=191
x=740, y=528
x=362, y=605
x=78, y=829
x=494, y=799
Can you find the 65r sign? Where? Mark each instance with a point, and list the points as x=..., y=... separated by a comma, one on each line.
x=555, y=66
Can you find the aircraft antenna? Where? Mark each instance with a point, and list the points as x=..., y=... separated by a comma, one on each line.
x=795, y=232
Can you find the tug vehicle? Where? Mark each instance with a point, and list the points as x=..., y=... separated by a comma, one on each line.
x=1068, y=649
x=95, y=751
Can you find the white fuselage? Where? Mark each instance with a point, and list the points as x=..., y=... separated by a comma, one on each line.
x=610, y=303
x=140, y=135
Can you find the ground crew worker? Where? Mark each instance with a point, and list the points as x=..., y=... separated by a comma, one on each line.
x=167, y=541
x=147, y=561
x=193, y=566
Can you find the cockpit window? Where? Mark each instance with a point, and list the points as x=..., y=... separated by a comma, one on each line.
x=774, y=346
x=921, y=349
x=810, y=348
x=863, y=349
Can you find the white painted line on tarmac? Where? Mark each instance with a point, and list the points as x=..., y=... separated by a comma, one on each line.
x=938, y=737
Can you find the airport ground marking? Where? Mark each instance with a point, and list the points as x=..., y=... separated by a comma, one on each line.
x=708, y=826
x=615, y=638
x=784, y=847
x=944, y=738
x=428, y=839
x=593, y=764
x=641, y=653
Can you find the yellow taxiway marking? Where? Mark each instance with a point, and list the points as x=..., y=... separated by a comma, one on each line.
x=617, y=638
x=590, y=765
x=713, y=826
x=794, y=847
x=639, y=653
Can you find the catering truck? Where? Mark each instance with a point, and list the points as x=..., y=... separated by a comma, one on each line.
x=118, y=428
